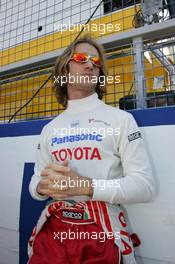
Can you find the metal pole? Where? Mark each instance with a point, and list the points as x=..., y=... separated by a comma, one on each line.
x=139, y=73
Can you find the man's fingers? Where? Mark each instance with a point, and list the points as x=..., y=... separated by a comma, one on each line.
x=58, y=168
x=58, y=176
x=46, y=172
x=53, y=185
x=69, y=192
x=42, y=187
x=59, y=196
x=65, y=163
x=50, y=172
x=55, y=181
x=44, y=183
x=59, y=183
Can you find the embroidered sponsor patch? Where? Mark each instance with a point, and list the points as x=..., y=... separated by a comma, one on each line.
x=75, y=123
x=38, y=147
x=98, y=121
x=72, y=215
x=134, y=136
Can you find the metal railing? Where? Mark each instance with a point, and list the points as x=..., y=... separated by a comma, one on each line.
x=140, y=50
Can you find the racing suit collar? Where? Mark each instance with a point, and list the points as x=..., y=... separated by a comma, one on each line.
x=84, y=104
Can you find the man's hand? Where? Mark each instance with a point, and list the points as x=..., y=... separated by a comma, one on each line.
x=60, y=181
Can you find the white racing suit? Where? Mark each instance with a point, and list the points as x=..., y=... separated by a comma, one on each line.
x=104, y=144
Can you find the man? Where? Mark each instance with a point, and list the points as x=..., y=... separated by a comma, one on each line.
x=91, y=159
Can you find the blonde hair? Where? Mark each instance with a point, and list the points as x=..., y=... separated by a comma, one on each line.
x=61, y=69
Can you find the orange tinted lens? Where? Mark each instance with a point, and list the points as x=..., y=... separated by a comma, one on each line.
x=96, y=61
x=80, y=57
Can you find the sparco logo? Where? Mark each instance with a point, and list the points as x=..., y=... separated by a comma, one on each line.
x=74, y=215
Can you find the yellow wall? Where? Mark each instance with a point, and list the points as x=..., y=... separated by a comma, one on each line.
x=16, y=94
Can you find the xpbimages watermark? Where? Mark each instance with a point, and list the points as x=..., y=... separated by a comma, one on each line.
x=71, y=134
x=70, y=235
x=81, y=183
x=84, y=79
x=102, y=28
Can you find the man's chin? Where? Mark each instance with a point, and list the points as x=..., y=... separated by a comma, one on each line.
x=85, y=87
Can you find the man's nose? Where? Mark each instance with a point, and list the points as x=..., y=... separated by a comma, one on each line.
x=89, y=64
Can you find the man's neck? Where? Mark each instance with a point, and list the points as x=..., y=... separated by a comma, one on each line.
x=74, y=94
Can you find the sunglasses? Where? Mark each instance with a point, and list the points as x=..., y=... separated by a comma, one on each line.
x=83, y=57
